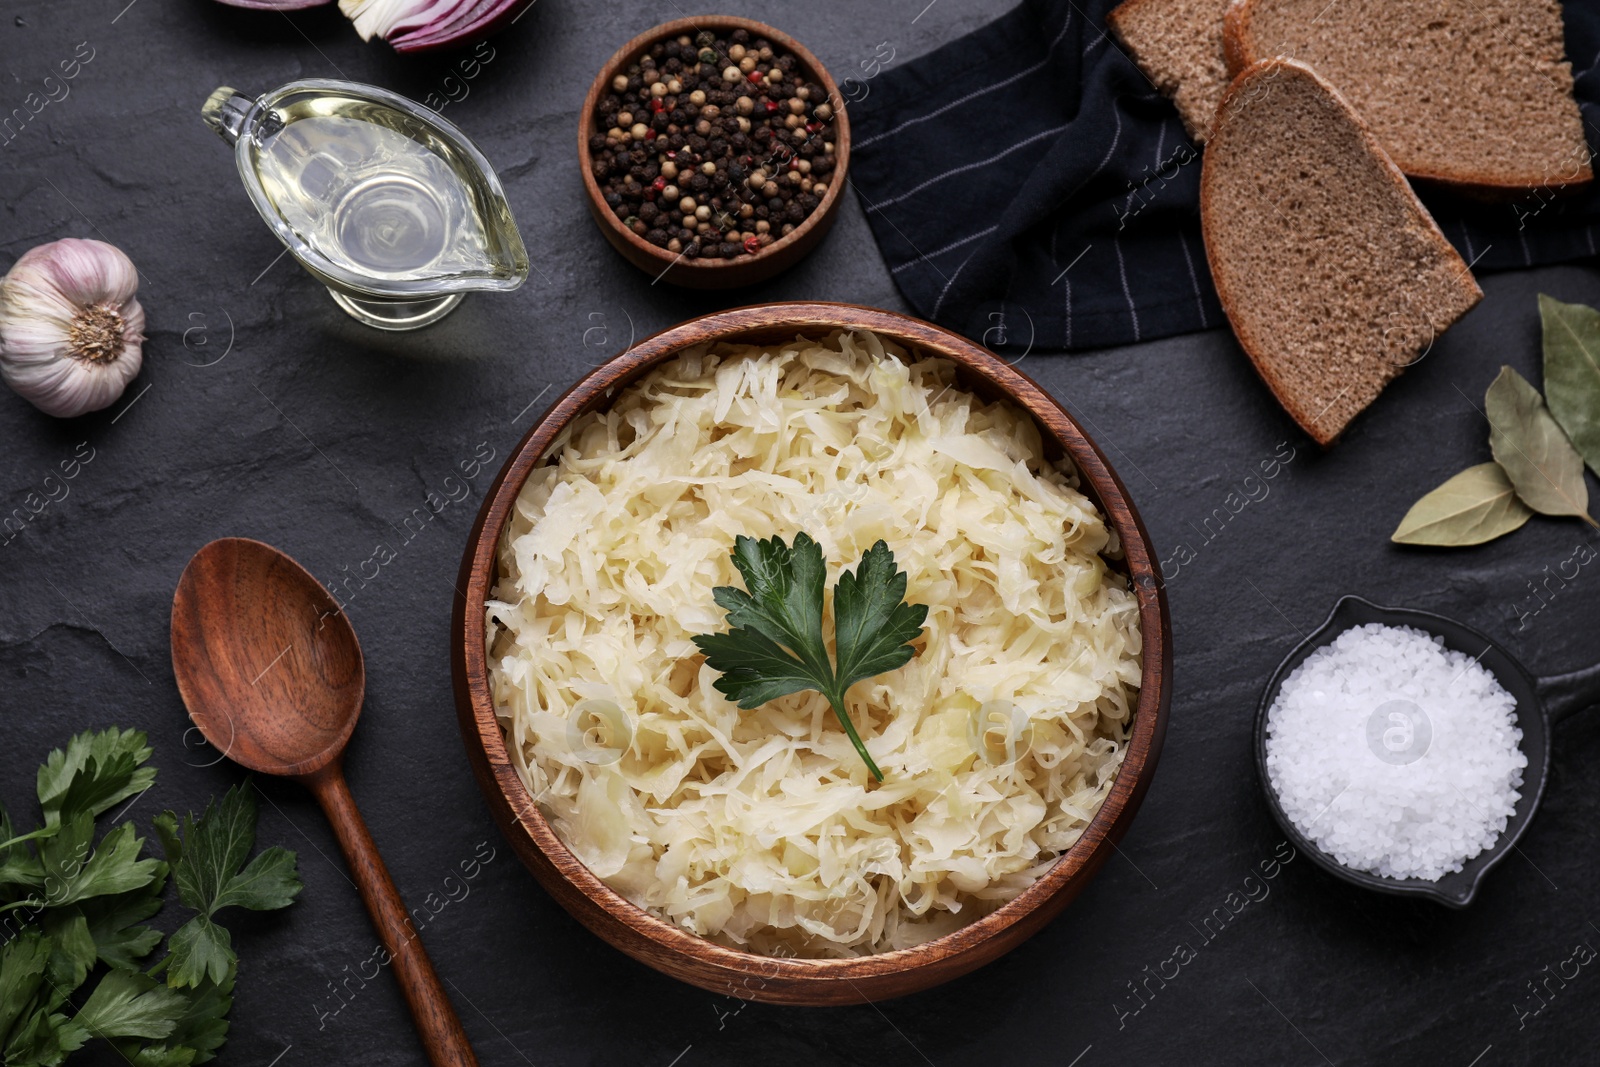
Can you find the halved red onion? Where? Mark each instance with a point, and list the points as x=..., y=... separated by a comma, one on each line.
x=274, y=5
x=421, y=25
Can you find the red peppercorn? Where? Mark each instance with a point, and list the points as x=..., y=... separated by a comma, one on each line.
x=813, y=127
x=659, y=184
x=658, y=104
x=650, y=135
x=772, y=105
x=752, y=244
x=755, y=77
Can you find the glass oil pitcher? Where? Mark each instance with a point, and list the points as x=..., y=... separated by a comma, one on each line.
x=384, y=202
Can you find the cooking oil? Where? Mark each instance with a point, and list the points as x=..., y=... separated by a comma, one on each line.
x=385, y=202
x=364, y=186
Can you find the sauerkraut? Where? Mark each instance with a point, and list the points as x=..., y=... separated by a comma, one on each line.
x=762, y=829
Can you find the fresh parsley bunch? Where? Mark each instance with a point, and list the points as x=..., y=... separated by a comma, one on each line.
x=72, y=913
x=776, y=647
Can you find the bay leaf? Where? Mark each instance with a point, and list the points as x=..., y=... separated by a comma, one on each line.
x=1572, y=372
x=1475, y=506
x=1533, y=449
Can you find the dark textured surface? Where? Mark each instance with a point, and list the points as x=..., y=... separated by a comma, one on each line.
x=321, y=437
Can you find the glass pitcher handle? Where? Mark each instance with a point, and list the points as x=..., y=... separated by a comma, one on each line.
x=226, y=111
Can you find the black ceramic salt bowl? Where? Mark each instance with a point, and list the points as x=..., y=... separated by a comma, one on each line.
x=1540, y=703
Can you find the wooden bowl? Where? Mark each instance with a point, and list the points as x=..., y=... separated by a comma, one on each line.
x=714, y=273
x=701, y=962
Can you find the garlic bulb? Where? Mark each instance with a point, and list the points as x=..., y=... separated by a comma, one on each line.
x=70, y=329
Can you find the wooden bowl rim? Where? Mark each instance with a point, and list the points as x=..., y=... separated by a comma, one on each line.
x=599, y=386
x=587, y=127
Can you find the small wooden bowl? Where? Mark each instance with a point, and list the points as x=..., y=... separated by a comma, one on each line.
x=704, y=963
x=714, y=273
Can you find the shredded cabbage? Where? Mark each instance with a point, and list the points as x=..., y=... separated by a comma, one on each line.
x=761, y=829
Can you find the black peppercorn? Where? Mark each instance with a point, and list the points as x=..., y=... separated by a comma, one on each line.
x=713, y=155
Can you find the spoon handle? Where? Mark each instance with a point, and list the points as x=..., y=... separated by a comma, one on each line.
x=437, y=1024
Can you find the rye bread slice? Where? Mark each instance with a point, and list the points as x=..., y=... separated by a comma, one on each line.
x=1475, y=94
x=1178, y=45
x=1333, y=275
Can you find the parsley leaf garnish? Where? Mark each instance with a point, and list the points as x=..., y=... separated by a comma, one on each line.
x=97, y=771
x=76, y=963
x=208, y=865
x=130, y=1004
x=775, y=645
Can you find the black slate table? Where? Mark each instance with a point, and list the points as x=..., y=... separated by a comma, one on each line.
x=263, y=411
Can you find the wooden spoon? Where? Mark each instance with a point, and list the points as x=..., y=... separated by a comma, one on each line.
x=272, y=675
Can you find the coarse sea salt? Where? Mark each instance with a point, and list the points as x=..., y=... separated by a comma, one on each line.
x=1394, y=754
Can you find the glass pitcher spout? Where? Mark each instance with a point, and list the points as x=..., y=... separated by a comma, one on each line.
x=385, y=202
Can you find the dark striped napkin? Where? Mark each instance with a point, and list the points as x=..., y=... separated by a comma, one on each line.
x=1028, y=187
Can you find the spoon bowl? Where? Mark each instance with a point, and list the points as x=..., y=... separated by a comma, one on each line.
x=1540, y=702
x=273, y=675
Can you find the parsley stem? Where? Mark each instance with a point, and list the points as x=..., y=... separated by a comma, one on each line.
x=855, y=738
x=43, y=831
